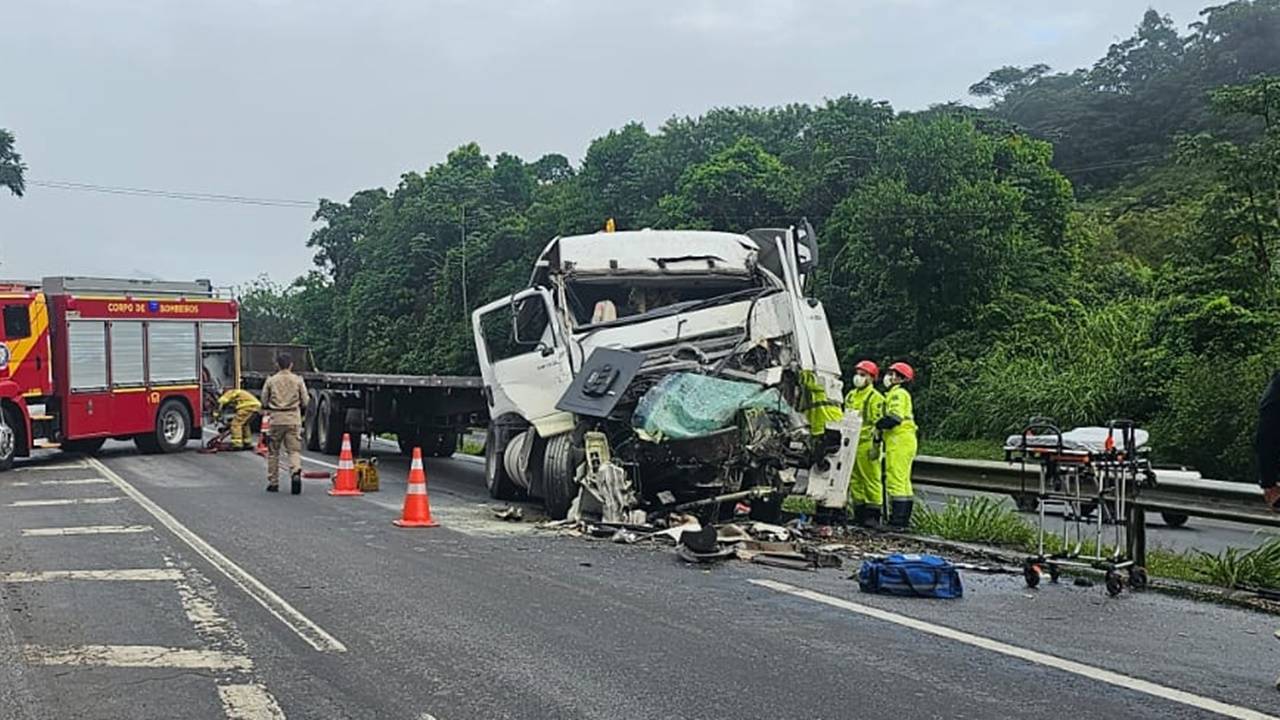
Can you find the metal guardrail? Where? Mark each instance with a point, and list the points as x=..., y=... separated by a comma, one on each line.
x=1173, y=493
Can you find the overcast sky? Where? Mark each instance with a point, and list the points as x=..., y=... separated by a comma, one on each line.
x=299, y=100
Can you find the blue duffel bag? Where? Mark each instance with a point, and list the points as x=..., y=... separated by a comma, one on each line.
x=927, y=576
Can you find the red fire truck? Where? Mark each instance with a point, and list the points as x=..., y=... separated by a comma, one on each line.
x=87, y=359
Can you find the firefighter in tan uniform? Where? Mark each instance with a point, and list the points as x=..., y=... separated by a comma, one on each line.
x=284, y=398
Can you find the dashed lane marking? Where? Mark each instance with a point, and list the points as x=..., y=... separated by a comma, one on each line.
x=63, y=501
x=249, y=701
x=314, y=635
x=80, y=481
x=133, y=575
x=136, y=656
x=85, y=530
x=1039, y=658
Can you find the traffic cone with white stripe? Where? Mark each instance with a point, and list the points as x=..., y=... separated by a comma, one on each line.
x=417, y=506
x=262, y=435
x=345, y=481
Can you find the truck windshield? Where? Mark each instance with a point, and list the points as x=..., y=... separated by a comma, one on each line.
x=620, y=301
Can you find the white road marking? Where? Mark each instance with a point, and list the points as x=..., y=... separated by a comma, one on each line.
x=313, y=634
x=202, y=613
x=249, y=702
x=133, y=575
x=1087, y=671
x=85, y=530
x=63, y=501
x=60, y=466
x=80, y=481
x=136, y=656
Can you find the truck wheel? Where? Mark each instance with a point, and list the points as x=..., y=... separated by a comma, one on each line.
x=312, y=429
x=173, y=428
x=329, y=422
x=406, y=442
x=8, y=437
x=443, y=445
x=1173, y=519
x=495, y=474
x=559, y=483
x=88, y=446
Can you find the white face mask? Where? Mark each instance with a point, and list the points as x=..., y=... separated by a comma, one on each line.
x=860, y=381
x=890, y=380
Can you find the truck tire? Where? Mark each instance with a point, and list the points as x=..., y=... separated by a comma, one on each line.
x=173, y=428
x=88, y=446
x=495, y=474
x=1174, y=520
x=329, y=425
x=9, y=435
x=311, y=428
x=443, y=445
x=559, y=483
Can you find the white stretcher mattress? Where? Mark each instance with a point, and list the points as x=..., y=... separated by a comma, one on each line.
x=1081, y=439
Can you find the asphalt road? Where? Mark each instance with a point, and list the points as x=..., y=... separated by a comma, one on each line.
x=241, y=604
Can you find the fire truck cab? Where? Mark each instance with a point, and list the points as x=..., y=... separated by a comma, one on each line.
x=83, y=360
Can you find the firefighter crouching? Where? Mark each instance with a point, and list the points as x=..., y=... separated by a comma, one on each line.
x=284, y=397
x=245, y=406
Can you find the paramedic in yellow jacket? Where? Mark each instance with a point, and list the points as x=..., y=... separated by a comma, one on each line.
x=898, y=427
x=245, y=406
x=865, y=483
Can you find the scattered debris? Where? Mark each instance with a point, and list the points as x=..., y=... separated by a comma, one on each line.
x=510, y=513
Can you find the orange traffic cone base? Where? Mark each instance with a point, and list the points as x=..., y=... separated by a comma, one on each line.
x=413, y=523
x=344, y=481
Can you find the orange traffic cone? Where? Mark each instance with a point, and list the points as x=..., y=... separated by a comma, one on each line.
x=262, y=436
x=417, y=506
x=345, y=482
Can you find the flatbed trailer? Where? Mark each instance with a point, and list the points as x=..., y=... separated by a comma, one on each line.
x=427, y=411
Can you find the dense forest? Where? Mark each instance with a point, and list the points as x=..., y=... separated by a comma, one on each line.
x=1087, y=244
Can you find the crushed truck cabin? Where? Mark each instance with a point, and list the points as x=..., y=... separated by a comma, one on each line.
x=654, y=369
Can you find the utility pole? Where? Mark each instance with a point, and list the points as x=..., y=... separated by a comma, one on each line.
x=465, y=306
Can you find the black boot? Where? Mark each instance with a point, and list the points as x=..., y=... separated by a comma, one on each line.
x=859, y=514
x=871, y=517
x=900, y=513
x=295, y=482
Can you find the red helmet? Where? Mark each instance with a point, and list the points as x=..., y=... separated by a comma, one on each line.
x=869, y=368
x=904, y=370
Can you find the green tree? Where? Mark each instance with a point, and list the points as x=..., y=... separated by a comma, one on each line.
x=12, y=169
x=738, y=188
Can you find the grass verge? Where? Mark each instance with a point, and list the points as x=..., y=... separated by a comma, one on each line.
x=963, y=449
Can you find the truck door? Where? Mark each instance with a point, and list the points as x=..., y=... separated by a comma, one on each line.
x=797, y=253
x=524, y=358
x=26, y=337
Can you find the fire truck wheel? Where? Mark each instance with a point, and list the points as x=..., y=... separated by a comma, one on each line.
x=173, y=428
x=88, y=447
x=8, y=438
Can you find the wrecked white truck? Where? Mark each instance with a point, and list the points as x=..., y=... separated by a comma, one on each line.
x=665, y=370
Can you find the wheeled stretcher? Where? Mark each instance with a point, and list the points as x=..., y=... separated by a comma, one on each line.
x=1081, y=470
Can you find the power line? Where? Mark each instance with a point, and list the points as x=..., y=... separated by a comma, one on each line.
x=170, y=194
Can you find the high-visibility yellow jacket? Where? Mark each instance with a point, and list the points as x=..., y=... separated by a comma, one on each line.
x=239, y=400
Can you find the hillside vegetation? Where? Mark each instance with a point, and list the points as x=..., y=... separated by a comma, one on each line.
x=1089, y=244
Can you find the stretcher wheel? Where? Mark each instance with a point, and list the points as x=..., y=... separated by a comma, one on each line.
x=1138, y=578
x=1054, y=573
x=1031, y=573
x=1114, y=584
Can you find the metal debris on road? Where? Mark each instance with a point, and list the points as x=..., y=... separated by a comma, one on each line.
x=510, y=513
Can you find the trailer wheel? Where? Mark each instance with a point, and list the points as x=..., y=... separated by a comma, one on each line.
x=560, y=487
x=329, y=425
x=406, y=442
x=443, y=445
x=9, y=424
x=495, y=474
x=173, y=428
x=88, y=446
x=311, y=427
